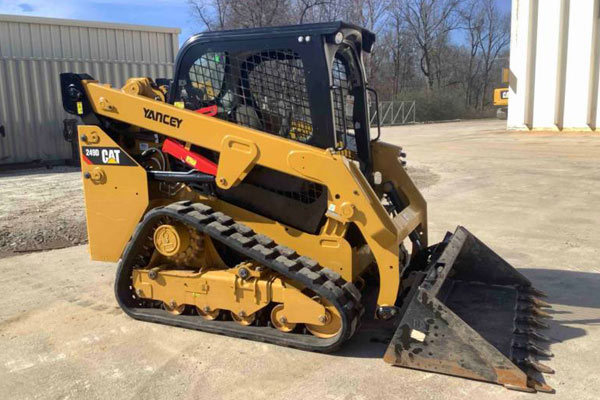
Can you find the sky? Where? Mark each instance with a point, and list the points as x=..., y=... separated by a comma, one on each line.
x=169, y=13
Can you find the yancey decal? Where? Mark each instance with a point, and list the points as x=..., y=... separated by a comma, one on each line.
x=164, y=118
x=106, y=156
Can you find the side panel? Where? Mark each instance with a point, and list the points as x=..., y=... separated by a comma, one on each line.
x=351, y=197
x=116, y=193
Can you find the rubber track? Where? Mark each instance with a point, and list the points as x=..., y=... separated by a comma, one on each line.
x=344, y=296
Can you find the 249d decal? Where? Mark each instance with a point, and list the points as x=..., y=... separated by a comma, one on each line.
x=106, y=156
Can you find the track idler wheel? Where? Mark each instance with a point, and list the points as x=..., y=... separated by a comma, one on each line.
x=331, y=320
x=279, y=321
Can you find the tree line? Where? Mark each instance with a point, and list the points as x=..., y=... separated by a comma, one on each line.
x=445, y=54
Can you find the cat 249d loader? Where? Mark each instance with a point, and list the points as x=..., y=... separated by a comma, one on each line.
x=248, y=197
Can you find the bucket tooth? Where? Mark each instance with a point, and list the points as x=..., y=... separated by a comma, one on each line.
x=539, y=386
x=531, y=333
x=532, y=321
x=535, y=311
x=535, y=301
x=532, y=363
x=533, y=291
x=533, y=348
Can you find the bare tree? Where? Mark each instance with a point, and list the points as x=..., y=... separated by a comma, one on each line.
x=314, y=10
x=430, y=22
x=372, y=15
x=494, y=39
x=471, y=21
x=398, y=43
x=396, y=62
x=260, y=13
x=212, y=14
x=225, y=14
x=320, y=10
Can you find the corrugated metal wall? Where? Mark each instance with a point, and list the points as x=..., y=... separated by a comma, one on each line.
x=34, y=51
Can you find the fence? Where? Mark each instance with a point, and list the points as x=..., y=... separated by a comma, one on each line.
x=394, y=113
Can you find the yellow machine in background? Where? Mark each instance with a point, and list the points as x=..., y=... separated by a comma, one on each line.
x=501, y=96
x=501, y=101
x=247, y=197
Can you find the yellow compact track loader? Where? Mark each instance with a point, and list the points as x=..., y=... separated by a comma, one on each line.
x=247, y=197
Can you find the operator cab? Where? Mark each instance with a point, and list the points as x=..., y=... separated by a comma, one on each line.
x=303, y=82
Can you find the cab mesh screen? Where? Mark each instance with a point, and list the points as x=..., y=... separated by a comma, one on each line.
x=343, y=100
x=265, y=91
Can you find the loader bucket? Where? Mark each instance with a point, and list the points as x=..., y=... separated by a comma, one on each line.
x=473, y=315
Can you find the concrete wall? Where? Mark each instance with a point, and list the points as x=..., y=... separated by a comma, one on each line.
x=34, y=51
x=554, y=65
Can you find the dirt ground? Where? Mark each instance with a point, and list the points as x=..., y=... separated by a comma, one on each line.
x=41, y=209
x=532, y=198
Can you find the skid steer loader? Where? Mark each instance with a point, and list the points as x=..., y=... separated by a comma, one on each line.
x=247, y=197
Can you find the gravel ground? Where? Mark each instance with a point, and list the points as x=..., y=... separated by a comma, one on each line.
x=41, y=209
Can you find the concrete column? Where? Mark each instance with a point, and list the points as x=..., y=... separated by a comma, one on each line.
x=546, y=63
x=554, y=63
x=519, y=63
x=579, y=80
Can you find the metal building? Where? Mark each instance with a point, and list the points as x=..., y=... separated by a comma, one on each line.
x=34, y=51
x=554, y=65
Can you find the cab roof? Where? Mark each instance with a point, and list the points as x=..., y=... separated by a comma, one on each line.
x=321, y=29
